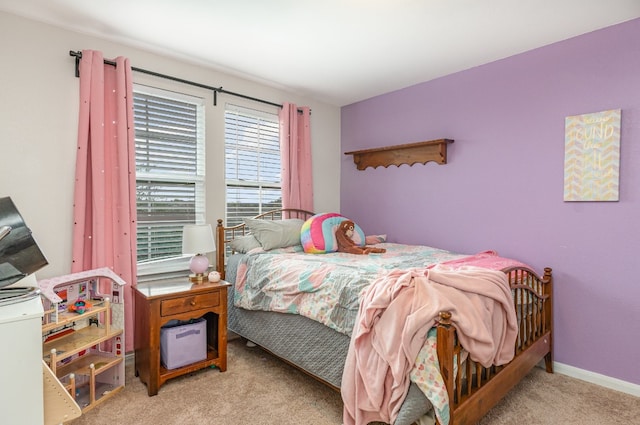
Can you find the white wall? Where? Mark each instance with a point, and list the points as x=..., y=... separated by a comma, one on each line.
x=39, y=116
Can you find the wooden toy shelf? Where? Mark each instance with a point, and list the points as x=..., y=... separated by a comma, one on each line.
x=85, y=351
x=100, y=362
x=67, y=318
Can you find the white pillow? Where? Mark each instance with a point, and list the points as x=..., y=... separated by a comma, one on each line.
x=274, y=234
x=244, y=244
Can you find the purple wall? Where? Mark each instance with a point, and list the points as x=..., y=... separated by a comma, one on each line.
x=503, y=186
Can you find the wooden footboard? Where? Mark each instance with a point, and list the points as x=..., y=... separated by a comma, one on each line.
x=474, y=389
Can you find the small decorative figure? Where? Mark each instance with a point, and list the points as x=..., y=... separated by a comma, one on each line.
x=214, y=277
x=80, y=306
x=344, y=234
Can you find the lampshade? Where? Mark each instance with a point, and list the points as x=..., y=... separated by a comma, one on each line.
x=198, y=239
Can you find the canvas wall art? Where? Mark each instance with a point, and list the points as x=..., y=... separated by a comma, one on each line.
x=592, y=156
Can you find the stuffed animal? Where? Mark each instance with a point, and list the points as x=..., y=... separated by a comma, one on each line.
x=344, y=234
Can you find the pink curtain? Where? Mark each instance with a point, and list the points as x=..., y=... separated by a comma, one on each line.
x=295, y=152
x=104, y=209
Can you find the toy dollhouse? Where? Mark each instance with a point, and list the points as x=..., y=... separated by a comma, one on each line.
x=83, y=333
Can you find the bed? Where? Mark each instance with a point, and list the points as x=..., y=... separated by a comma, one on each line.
x=321, y=349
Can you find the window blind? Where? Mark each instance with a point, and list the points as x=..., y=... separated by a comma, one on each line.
x=252, y=163
x=169, y=139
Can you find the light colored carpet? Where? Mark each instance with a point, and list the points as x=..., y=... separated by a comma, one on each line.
x=258, y=389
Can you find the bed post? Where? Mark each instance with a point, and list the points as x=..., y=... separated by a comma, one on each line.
x=547, y=282
x=221, y=248
x=445, y=348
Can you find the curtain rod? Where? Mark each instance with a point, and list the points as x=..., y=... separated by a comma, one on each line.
x=216, y=90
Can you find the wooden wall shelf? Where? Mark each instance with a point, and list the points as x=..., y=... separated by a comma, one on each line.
x=422, y=152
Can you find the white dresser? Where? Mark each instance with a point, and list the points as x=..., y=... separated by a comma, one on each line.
x=21, y=392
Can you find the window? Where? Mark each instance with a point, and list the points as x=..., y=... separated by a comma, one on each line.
x=252, y=163
x=169, y=133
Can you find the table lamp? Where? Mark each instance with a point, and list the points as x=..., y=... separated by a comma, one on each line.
x=197, y=239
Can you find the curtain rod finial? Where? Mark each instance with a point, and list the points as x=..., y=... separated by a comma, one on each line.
x=78, y=56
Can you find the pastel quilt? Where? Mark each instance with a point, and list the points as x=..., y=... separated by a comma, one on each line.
x=323, y=287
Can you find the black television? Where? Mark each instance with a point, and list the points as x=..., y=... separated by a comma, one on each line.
x=20, y=255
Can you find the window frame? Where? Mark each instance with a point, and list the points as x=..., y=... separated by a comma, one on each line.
x=178, y=263
x=262, y=186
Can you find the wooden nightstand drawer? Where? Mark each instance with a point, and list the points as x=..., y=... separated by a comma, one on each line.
x=186, y=304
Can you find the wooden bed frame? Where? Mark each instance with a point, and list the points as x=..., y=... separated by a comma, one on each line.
x=469, y=398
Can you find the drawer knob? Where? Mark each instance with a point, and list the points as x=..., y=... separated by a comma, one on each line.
x=193, y=302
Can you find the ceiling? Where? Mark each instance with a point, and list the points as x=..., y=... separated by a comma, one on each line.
x=337, y=51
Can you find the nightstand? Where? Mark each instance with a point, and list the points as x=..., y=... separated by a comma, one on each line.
x=160, y=302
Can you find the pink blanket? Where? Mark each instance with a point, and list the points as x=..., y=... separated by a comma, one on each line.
x=395, y=314
x=486, y=259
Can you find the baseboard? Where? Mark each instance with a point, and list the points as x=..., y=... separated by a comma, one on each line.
x=596, y=378
x=574, y=372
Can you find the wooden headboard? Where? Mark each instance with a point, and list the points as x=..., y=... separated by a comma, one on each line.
x=224, y=235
